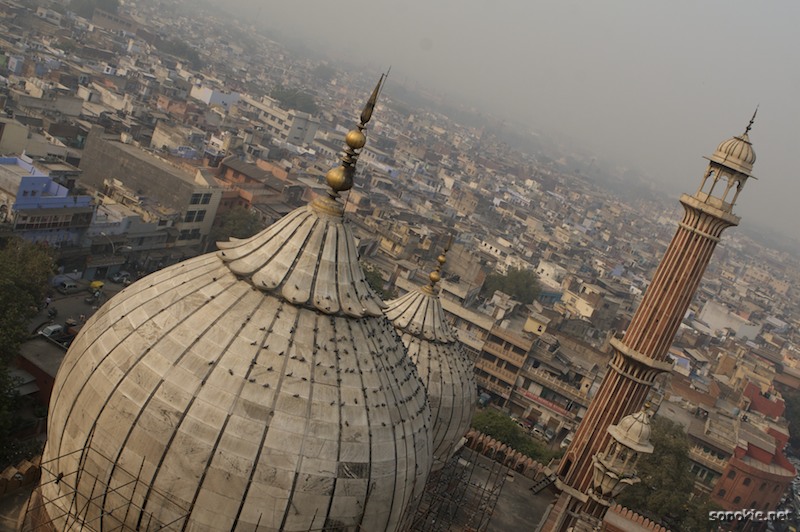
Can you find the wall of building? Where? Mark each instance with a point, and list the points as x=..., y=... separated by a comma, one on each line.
x=744, y=485
x=13, y=137
x=137, y=170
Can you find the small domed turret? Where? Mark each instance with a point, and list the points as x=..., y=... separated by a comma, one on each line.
x=443, y=365
x=736, y=153
x=633, y=431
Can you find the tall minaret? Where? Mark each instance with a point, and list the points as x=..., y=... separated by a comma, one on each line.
x=640, y=356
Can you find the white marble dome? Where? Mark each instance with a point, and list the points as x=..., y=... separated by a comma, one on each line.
x=443, y=365
x=256, y=388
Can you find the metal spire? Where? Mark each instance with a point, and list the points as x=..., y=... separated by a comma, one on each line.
x=750, y=125
x=341, y=177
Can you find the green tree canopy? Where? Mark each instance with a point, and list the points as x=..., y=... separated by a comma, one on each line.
x=323, y=73
x=24, y=271
x=236, y=223
x=85, y=8
x=665, y=492
x=295, y=99
x=502, y=428
x=376, y=281
x=792, y=415
x=522, y=285
x=180, y=49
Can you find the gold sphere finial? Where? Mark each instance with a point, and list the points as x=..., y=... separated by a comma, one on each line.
x=337, y=179
x=435, y=277
x=341, y=177
x=441, y=259
x=356, y=139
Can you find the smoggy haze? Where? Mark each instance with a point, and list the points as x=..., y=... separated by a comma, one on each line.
x=654, y=86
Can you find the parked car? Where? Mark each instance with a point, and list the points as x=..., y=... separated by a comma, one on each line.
x=121, y=277
x=567, y=440
x=549, y=434
x=51, y=331
x=67, y=287
x=538, y=431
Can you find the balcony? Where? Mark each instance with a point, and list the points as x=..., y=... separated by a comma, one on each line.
x=470, y=340
x=551, y=382
x=707, y=460
x=502, y=391
x=503, y=374
x=506, y=354
x=558, y=409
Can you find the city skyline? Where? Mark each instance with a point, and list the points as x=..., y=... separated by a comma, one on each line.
x=640, y=87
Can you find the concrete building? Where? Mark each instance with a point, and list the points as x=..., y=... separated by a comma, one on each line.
x=40, y=209
x=500, y=361
x=185, y=200
x=214, y=97
x=294, y=127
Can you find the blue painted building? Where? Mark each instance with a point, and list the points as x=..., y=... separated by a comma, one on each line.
x=38, y=208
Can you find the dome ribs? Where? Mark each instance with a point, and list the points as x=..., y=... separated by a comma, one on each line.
x=325, y=294
x=91, y=358
x=300, y=282
x=443, y=366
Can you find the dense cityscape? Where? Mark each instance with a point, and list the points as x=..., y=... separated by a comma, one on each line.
x=141, y=135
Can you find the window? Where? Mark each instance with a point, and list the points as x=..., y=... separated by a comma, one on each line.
x=190, y=215
x=184, y=235
x=763, y=485
x=737, y=500
x=195, y=199
x=194, y=234
x=201, y=215
x=747, y=481
x=206, y=199
x=721, y=493
x=731, y=474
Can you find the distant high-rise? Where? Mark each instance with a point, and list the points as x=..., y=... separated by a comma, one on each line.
x=640, y=356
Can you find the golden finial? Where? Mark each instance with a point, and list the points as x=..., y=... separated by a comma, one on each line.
x=750, y=125
x=436, y=275
x=341, y=177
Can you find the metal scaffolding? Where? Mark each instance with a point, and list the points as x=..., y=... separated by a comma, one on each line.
x=462, y=495
x=80, y=510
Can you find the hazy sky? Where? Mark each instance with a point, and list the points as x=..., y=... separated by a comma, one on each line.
x=655, y=85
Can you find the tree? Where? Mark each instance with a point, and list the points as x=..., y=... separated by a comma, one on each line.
x=24, y=271
x=376, y=282
x=502, y=428
x=666, y=488
x=295, y=99
x=85, y=8
x=323, y=73
x=522, y=285
x=180, y=49
x=792, y=415
x=236, y=223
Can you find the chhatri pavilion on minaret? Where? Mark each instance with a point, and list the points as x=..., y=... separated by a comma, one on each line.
x=641, y=354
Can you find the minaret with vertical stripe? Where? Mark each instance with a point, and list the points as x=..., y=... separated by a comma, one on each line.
x=640, y=355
